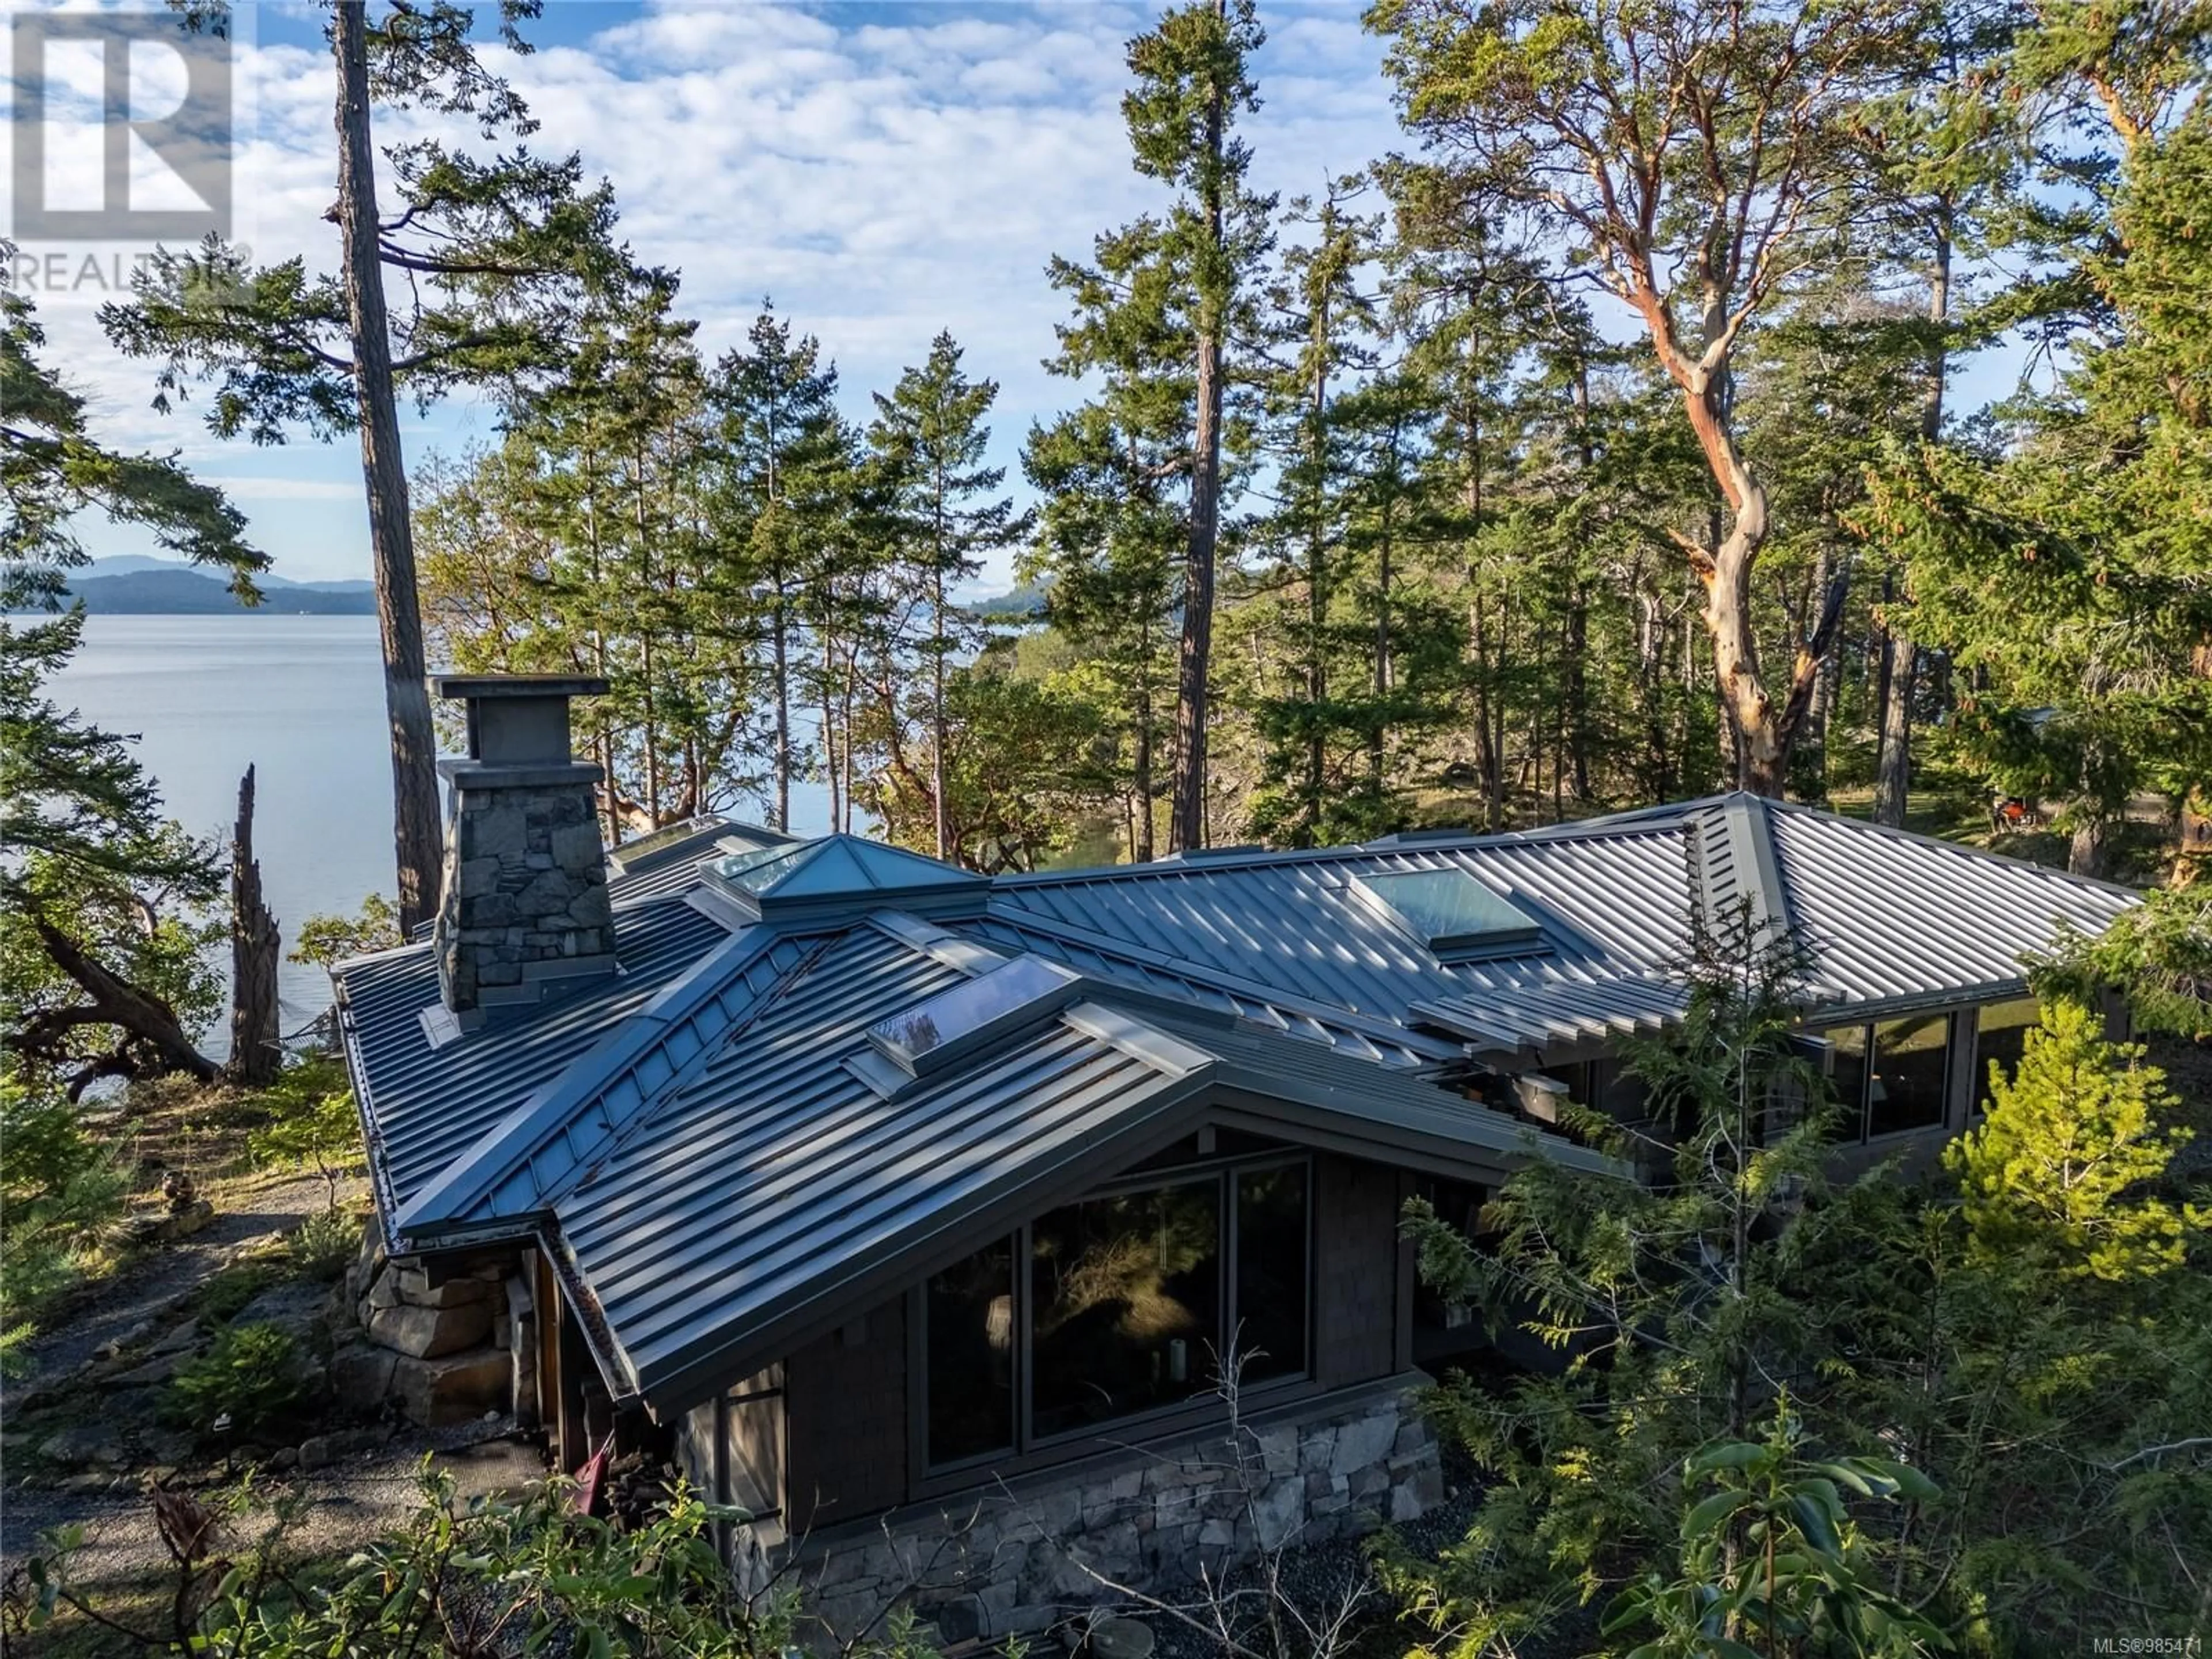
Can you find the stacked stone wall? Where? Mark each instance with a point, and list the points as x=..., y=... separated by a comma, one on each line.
x=1019, y=1559
x=526, y=890
x=442, y=1341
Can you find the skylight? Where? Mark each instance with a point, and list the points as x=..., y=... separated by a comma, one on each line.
x=757, y=869
x=1449, y=912
x=952, y=1023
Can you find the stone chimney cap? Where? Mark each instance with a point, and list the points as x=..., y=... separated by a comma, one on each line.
x=476, y=686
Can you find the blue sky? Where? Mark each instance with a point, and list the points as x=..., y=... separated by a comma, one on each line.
x=881, y=171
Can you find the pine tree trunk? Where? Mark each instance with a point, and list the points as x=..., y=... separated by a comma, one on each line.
x=1901, y=659
x=777, y=627
x=1893, y=775
x=1186, y=822
x=1140, y=850
x=937, y=733
x=418, y=836
x=255, y=1059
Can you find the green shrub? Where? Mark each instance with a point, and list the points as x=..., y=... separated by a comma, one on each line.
x=59, y=1192
x=310, y=1126
x=325, y=1244
x=252, y=1375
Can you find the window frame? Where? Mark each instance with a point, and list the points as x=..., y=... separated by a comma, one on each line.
x=1028, y=1446
x=1860, y=1110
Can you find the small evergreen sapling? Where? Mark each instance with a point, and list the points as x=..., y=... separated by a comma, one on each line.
x=2054, y=1173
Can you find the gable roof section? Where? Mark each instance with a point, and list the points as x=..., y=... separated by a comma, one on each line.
x=781, y=1184
x=423, y=1109
x=551, y=1140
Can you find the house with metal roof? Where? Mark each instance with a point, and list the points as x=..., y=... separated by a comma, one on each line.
x=882, y=1190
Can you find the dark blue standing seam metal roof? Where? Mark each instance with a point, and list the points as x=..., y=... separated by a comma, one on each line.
x=779, y=1168
x=424, y=1108
x=1382, y=1041
x=546, y=1144
x=1611, y=908
x=779, y=1171
x=721, y=1161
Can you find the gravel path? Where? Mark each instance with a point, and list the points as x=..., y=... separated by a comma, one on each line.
x=151, y=1287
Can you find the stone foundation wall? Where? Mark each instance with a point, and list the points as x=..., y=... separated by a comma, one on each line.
x=442, y=1340
x=1019, y=1560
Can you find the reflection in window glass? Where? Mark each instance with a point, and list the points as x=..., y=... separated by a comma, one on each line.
x=1271, y=1270
x=967, y=1009
x=1126, y=1304
x=971, y=1356
x=2001, y=1036
x=1847, y=1073
x=1911, y=1072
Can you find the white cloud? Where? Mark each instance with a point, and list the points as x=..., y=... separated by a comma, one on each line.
x=882, y=172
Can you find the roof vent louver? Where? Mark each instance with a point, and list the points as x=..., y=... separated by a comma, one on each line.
x=1451, y=914
x=959, y=1023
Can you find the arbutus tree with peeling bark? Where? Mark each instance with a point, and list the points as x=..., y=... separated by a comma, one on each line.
x=499, y=258
x=1696, y=159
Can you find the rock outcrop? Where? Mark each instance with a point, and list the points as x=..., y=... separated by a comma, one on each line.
x=437, y=1339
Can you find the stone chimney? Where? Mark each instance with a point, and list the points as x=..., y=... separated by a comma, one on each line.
x=524, y=917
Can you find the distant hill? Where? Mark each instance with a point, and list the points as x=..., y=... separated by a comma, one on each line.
x=1024, y=602
x=168, y=590
x=133, y=564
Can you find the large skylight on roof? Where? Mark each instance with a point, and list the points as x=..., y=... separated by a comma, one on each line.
x=1449, y=912
x=754, y=871
x=952, y=1023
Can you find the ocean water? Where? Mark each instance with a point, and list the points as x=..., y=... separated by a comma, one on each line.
x=301, y=700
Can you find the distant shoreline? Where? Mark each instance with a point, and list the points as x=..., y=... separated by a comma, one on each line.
x=190, y=593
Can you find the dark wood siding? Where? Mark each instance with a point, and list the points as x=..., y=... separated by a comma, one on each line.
x=847, y=1418
x=1356, y=1260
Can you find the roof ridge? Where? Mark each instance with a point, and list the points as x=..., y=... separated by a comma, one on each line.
x=512, y=1144
x=1640, y=820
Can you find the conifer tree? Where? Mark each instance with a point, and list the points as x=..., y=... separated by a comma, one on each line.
x=2054, y=1175
x=104, y=972
x=498, y=257
x=1170, y=299
x=929, y=438
x=780, y=454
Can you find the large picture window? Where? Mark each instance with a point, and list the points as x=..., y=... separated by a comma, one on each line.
x=1119, y=1304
